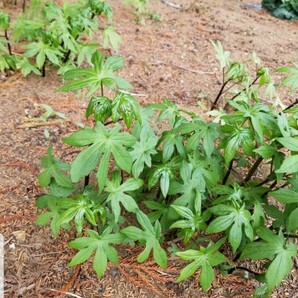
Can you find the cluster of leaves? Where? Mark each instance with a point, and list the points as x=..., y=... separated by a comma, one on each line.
x=283, y=9
x=6, y=60
x=195, y=177
x=142, y=10
x=55, y=34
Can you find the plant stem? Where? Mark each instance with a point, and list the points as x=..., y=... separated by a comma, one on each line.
x=66, y=57
x=8, y=44
x=24, y=5
x=225, y=179
x=86, y=182
x=221, y=91
x=43, y=69
x=291, y=105
x=237, y=94
x=101, y=89
x=253, y=169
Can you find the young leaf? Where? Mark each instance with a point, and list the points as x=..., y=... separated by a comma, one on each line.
x=151, y=235
x=204, y=258
x=101, y=244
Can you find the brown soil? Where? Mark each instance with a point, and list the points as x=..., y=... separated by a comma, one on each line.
x=172, y=58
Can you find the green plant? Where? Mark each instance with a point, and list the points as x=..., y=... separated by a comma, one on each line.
x=7, y=60
x=55, y=34
x=283, y=9
x=226, y=176
x=141, y=10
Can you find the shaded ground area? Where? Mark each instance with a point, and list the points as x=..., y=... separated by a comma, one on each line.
x=172, y=58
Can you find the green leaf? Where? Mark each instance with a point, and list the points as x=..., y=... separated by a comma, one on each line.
x=85, y=162
x=222, y=56
x=286, y=196
x=100, y=262
x=289, y=165
x=290, y=143
x=206, y=258
x=149, y=234
x=279, y=268
x=292, y=79
x=98, y=243
x=110, y=38
x=293, y=221
x=221, y=223
x=189, y=270
x=266, y=151
x=207, y=276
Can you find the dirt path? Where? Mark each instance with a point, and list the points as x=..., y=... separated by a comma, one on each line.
x=172, y=58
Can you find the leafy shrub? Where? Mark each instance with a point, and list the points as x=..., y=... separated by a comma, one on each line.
x=54, y=34
x=7, y=61
x=283, y=9
x=196, y=177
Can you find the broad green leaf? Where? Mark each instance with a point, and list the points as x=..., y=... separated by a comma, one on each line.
x=207, y=276
x=98, y=243
x=286, y=196
x=289, y=165
x=221, y=223
x=85, y=162
x=290, y=143
x=189, y=270
x=149, y=234
x=279, y=268
x=293, y=221
x=266, y=151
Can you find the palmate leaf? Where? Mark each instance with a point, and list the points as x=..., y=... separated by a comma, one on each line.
x=163, y=173
x=126, y=107
x=54, y=168
x=151, y=236
x=233, y=221
x=117, y=193
x=103, y=142
x=103, y=73
x=240, y=137
x=222, y=56
x=79, y=209
x=292, y=76
x=52, y=215
x=101, y=244
x=42, y=51
x=111, y=39
x=191, y=188
x=275, y=248
x=204, y=259
x=143, y=150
